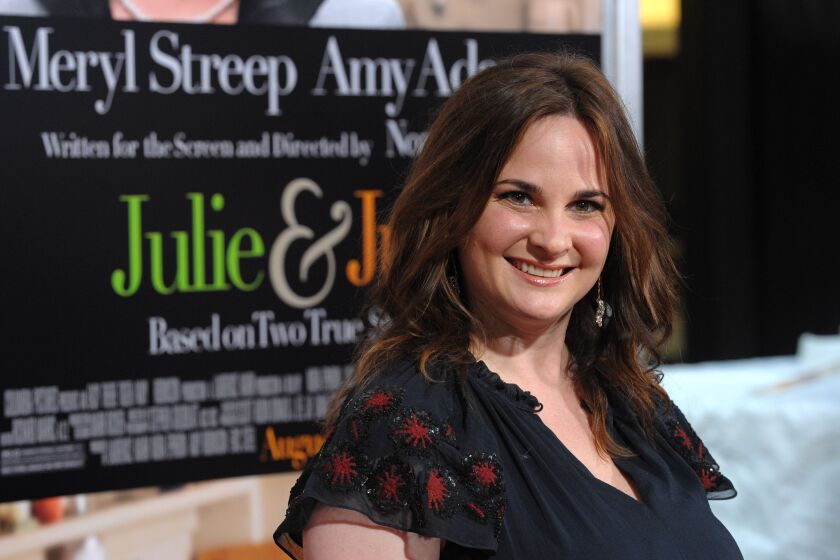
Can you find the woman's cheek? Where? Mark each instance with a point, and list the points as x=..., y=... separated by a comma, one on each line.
x=501, y=227
x=513, y=226
x=594, y=241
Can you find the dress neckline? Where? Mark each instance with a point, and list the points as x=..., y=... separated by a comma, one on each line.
x=523, y=397
x=511, y=390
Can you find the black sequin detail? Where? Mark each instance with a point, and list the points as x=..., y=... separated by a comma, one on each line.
x=682, y=438
x=487, y=511
x=447, y=433
x=297, y=491
x=343, y=468
x=378, y=402
x=483, y=475
x=440, y=491
x=357, y=428
x=476, y=510
x=392, y=485
x=414, y=431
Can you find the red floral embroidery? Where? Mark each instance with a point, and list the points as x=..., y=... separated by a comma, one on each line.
x=673, y=424
x=368, y=407
x=436, y=491
x=448, y=433
x=390, y=482
x=343, y=468
x=476, y=510
x=391, y=485
x=488, y=510
x=414, y=430
x=483, y=474
x=378, y=402
x=441, y=491
x=682, y=437
x=709, y=480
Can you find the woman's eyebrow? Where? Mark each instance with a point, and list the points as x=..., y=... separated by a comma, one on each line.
x=530, y=188
x=591, y=194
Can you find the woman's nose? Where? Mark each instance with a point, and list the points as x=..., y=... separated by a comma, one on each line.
x=551, y=235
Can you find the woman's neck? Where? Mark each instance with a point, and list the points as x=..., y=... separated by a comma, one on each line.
x=527, y=357
x=196, y=11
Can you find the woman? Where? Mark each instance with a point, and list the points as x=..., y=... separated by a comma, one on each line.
x=527, y=218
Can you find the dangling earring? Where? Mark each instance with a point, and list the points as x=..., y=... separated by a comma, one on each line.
x=603, y=311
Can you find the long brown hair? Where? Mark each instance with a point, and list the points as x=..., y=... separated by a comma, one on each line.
x=445, y=193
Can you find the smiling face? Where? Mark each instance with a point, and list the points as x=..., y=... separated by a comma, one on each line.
x=542, y=240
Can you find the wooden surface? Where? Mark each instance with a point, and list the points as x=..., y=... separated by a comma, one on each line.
x=171, y=525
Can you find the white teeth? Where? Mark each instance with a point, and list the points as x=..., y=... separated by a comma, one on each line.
x=531, y=269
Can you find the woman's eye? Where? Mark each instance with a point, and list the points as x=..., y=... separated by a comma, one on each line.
x=517, y=197
x=587, y=206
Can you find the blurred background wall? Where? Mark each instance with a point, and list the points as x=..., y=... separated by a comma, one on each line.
x=741, y=120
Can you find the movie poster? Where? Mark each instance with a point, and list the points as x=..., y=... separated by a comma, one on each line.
x=190, y=216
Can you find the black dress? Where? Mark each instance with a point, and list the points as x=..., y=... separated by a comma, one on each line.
x=475, y=466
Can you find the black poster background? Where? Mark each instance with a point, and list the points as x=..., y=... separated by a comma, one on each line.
x=74, y=416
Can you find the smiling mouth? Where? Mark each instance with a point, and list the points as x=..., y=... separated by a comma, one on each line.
x=534, y=270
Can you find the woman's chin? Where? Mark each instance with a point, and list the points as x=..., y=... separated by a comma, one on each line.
x=535, y=319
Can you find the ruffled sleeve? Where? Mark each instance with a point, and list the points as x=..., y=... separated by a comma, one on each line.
x=673, y=426
x=407, y=454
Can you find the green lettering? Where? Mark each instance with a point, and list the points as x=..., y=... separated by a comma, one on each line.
x=235, y=254
x=181, y=282
x=197, y=199
x=218, y=241
x=126, y=284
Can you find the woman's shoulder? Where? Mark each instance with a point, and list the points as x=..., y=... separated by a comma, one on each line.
x=406, y=413
x=407, y=452
x=675, y=429
x=402, y=385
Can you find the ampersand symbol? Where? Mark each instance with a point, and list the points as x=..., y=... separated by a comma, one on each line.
x=340, y=212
